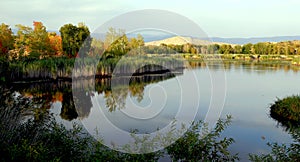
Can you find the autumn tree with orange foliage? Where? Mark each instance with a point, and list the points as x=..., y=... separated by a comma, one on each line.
x=55, y=43
x=6, y=39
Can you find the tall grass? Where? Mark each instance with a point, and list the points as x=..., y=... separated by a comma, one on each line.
x=287, y=109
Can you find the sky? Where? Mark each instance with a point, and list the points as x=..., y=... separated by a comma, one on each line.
x=221, y=18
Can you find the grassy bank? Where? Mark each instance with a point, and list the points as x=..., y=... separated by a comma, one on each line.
x=62, y=67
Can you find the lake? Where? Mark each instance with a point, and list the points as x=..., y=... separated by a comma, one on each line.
x=147, y=103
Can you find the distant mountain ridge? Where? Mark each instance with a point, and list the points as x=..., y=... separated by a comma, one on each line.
x=254, y=40
x=218, y=40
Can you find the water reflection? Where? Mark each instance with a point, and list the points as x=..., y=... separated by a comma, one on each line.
x=248, y=65
x=61, y=91
x=252, y=85
x=287, y=125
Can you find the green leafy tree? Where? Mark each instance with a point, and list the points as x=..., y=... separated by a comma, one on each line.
x=39, y=41
x=213, y=48
x=226, y=49
x=75, y=38
x=140, y=40
x=237, y=49
x=22, y=40
x=116, y=43
x=120, y=46
x=83, y=39
x=270, y=49
x=261, y=48
x=137, y=42
x=246, y=49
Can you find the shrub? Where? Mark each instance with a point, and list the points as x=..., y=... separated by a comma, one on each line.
x=204, y=146
x=287, y=109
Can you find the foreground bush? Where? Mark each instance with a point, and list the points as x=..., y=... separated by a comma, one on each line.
x=201, y=144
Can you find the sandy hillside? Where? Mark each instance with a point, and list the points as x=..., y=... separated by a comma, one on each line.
x=178, y=40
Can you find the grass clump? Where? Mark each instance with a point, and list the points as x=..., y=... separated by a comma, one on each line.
x=287, y=109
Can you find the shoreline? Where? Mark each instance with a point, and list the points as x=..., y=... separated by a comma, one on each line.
x=63, y=69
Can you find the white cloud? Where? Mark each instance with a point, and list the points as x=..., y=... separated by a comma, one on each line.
x=228, y=14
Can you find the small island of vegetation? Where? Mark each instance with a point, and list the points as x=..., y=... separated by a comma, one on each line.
x=287, y=110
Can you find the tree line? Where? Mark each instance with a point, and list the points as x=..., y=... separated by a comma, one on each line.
x=73, y=41
x=262, y=48
x=76, y=41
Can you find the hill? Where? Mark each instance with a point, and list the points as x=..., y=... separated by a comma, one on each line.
x=178, y=40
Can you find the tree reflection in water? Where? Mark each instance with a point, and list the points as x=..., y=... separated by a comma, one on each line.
x=61, y=91
x=116, y=98
x=45, y=140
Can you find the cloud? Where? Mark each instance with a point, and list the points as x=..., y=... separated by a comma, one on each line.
x=56, y=13
x=232, y=15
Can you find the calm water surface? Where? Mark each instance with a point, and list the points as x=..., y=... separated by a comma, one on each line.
x=249, y=92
